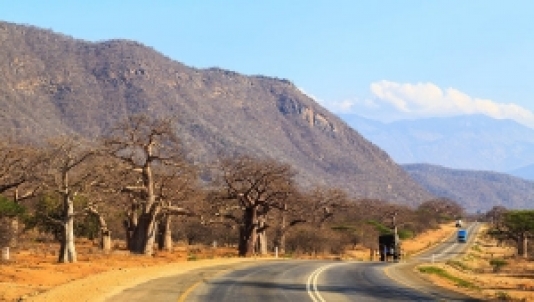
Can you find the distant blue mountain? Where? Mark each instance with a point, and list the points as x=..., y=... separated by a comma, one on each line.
x=474, y=190
x=526, y=172
x=472, y=142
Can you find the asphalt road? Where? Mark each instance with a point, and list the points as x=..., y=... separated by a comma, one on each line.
x=299, y=280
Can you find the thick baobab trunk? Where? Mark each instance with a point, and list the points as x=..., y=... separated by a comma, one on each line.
x=105, y=232
x=105, y=240
x=165, y=234
x=67, y=251
x=262, y=243
x=105, y=235
x=248, y=233
x=143, y=238
x=281, y=234
x=128, y=230
x=143, y=230
x=262, y=237
x=130, y=224
x=280, y=241
x=144, y=235
x=151, y=237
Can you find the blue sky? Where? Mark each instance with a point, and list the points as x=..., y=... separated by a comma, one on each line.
x=381, y=59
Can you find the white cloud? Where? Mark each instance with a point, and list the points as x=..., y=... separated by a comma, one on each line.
x=393, y=101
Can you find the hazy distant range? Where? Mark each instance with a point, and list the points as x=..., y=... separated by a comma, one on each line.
x=469, y=142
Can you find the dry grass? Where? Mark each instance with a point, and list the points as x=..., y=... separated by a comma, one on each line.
x=427, y=239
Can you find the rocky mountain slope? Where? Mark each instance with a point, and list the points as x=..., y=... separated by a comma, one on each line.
x=473, y=142
x=475, y=190
x=53, y=84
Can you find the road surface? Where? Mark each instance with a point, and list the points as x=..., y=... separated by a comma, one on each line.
x=300, y=280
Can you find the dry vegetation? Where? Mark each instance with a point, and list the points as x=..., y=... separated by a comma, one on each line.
x=489, y=271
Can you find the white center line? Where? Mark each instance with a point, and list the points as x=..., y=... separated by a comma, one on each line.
x=311, y=284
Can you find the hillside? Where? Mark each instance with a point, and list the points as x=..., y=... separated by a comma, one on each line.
x=474, y=142
x=475, y=190
x=53, y=84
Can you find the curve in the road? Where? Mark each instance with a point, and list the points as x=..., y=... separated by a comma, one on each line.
x=301, y=280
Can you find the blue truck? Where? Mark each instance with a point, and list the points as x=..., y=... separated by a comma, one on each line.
x=462, y=235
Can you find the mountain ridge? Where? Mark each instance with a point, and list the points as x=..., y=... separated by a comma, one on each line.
x=55, y=85
x=475, y=190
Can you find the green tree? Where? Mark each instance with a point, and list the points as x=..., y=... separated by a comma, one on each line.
x=8, y=211
x=520, y=226
x=517, y=226
x=48, y=210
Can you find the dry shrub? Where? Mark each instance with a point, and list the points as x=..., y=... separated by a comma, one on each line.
x=312, y=241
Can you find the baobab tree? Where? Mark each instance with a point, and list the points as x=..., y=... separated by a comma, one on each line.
x=150, y=152
x=19, y=170
x=71, y=169
x=105, y=233
x=440, y=210
x=251, y=188
x=176, y=186
x=516, y=226
x=314, y=208
x=15, y=164
x=495, y=216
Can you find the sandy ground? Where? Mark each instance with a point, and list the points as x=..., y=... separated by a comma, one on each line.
x=104, y=285
x=34, y=275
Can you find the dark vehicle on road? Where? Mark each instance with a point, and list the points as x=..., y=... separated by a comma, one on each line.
x=389, y=247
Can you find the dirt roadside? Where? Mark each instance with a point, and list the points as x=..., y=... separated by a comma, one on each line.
x=101, y=286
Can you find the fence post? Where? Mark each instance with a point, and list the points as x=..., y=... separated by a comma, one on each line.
x=5, y=254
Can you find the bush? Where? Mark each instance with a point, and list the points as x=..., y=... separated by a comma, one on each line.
x=502, y=296
x=382, y=229
x=313, y=241
x=458, y=265
x=9, y=208
x=497, y=264
x=8, y=211
x=476, y=248
x=405, y=234
x=444, y=274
